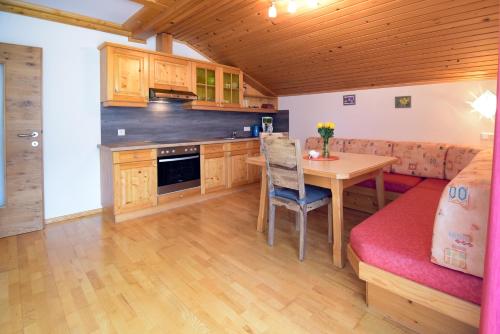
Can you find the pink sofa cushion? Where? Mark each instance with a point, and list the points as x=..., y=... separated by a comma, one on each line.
x=419, y=159
x=398, y=239
x=457, y=158
x=369, y=146
x=336, y=144
x=397, y=183
x=314, y=143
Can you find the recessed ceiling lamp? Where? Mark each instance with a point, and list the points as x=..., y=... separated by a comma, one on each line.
x=292, y=6
x=272, y=12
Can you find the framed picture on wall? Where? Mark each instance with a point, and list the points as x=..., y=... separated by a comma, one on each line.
x=349, y=100
x=403, y=102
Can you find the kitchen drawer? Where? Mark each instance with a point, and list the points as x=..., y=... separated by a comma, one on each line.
x=238, y=146
x=135, y=155
x=212, y=148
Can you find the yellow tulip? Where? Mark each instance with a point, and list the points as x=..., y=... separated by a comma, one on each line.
x=332, y=125
x=320, y=125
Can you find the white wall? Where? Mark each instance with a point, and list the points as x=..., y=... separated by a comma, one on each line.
x=71, y=108
x=439, y=113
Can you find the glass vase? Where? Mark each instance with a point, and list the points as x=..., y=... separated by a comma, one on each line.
x=326, y=149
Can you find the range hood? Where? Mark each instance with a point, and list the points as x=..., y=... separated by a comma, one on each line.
x=165, y=96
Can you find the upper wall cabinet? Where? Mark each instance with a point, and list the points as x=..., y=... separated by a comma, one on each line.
x=124, y=77
x=217, y=86
x=170, y=73
x=232, y=88
x=207, y=84
x=127, y=73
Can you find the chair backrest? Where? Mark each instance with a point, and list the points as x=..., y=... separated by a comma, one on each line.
x=284, y=164
x=263, y=135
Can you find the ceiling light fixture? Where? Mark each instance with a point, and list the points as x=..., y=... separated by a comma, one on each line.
x=292, y=6
x=272, y=12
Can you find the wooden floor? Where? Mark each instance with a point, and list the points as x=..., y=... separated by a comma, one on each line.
x=196, y=269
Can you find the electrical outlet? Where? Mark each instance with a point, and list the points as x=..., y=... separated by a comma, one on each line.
x=121, y=132
x=246, y=128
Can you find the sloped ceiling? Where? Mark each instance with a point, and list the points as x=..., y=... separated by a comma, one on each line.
x=341, y=45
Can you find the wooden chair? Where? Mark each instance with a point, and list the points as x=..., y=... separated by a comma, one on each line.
x=286, y=187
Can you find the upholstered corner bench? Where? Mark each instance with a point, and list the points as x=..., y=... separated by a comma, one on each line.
x=391, y=250
x=416, y=162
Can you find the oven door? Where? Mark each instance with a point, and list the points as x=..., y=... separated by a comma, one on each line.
x=178, y=172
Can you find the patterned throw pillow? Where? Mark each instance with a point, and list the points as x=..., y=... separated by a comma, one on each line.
x=461, y=223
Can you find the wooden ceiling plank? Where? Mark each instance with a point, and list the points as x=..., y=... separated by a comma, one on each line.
x=353, y=87
x=46, y=13
x=389, y=37
x=386, y=82
x=408, y=74
x=372, y=29
x=450, y=48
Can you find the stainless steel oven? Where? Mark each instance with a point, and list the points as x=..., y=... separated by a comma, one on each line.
x=178, y=168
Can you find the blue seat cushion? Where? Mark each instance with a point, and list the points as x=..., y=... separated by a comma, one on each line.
x=313, y=194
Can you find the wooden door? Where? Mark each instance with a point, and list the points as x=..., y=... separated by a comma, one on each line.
x=169, y=73
x=239, y=168
x=130, y=75
x=214, y=172
x=135, y=185
x=21, y=178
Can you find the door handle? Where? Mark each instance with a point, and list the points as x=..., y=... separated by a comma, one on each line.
x=34, y=134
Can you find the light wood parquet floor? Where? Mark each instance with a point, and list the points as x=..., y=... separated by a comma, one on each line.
x=196, y=269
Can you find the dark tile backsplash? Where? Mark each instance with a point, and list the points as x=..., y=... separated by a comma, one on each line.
x=171, y=121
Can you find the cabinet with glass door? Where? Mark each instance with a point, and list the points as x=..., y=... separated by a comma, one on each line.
x=232, y=88
x=205, y=76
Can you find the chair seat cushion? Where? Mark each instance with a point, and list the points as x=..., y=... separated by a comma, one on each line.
x=397, y=183
x=313, y=194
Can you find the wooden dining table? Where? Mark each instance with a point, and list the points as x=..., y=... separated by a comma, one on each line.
x=349, y=170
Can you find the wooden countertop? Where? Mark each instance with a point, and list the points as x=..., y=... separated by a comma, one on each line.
x=143, y=145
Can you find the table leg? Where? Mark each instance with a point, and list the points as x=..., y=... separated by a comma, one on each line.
x=379, y=180
x=262, y=217
x=339, y=252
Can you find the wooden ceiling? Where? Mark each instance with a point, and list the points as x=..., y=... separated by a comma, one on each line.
x=341, y=45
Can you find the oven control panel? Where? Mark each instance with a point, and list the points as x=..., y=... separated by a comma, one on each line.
x=177, y=150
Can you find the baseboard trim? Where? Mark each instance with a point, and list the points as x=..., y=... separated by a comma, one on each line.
x=73, y=216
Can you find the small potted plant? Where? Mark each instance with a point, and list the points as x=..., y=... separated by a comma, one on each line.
x=326, y=131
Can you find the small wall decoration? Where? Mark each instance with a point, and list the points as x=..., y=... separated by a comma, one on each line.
x=403, y=101
x=349, y=100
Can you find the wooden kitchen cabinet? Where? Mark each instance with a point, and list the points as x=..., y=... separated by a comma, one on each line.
x=135, y=186
x=207, y=84
x=213, y=172
x=238, y=168
x=124, y=77
x=232, y=88
x=254, y=172
x=170, y=73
